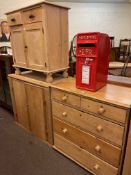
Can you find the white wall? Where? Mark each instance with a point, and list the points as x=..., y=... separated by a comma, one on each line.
x=114, y=19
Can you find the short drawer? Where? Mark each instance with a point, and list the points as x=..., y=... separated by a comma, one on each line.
x=110, y=112
x=83, y=158
x=33, y=15
x=14, y=19
x=88, y=142
x=66, y=98
x=87, y=122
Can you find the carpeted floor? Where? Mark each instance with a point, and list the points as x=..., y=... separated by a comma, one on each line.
x=22, y=154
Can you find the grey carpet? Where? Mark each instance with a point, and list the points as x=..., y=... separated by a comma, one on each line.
x=23, y=154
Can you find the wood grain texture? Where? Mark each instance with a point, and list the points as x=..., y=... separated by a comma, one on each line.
x=15, y=19
x=32, y=15
x=44, y=28
x=66, y=98
x=103, y=110
x=88, y=142
x=84, y=158
x=112, y=94
x=21, y=103
x=17, y=36
x=36, y=108
x=127, y=161
x=110, y=131
x=32, y=105
x=34, y=41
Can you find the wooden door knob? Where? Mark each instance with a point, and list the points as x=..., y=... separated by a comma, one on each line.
x=64, y=114
x=96, y=167
x=64, y=130
x=101, y=110
x=99, y=128
x=98, y=148
x=64, y=98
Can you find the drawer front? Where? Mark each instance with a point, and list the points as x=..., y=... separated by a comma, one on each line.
x=84, y=158
x=66, y=98
x=104, y=110
x=100, y=127
x=14, y=19
x=32, y=15
x=88, y=142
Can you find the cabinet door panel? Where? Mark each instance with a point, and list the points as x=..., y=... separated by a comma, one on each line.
x=36, y=105
x=34, y=36
x=20, y=103
x=17, y=40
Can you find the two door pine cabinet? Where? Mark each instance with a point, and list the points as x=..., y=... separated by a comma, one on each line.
x=93, y=128
x=39, y=37
x=31, y=104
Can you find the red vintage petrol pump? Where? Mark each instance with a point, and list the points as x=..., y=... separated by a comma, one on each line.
x=92, y=60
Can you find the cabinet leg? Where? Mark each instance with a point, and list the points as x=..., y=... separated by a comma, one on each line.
x=65, y=74
x=49, y=78
x=17, y=71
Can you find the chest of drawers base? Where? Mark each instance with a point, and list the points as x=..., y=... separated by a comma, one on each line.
x=92, y=133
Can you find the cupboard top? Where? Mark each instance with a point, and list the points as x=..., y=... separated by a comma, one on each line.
x=114, y=94
x=38, y=4
x=37, y=79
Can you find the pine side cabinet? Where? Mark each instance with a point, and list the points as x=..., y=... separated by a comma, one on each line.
x=39, y=37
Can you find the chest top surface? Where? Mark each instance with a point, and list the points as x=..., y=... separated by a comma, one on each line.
x=117, y=95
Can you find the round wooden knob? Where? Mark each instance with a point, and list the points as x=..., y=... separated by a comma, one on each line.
x=64, y=98
x=101, y=110
x=64, y=130
x=99, y=128
x=98, y=148
x=64, y=114
x=96, y=167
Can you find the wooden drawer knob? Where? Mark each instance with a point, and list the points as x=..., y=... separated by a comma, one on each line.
x=96, y=167
x=101, y=110
x=13, y=20
x=98, y=148
x=64, y=130
x=99, y=128
x=31, y=16
x=64, y=114
x=64, y=98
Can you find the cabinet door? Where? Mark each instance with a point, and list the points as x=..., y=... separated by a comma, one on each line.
x=18, y=45
x=34, y=37
x=36, y=106
x=20, y=101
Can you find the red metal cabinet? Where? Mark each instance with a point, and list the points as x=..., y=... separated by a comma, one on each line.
x=92, y=60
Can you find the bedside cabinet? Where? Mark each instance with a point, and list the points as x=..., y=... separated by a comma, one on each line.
x=39, y=37
x=31, y=104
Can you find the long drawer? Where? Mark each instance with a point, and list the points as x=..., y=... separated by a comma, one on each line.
x=66, y=98
x=100, y=127
x=104, y=110
x=84, y=158
x=88, y=142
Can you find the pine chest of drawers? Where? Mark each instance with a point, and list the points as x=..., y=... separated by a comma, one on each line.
x=92, y=128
